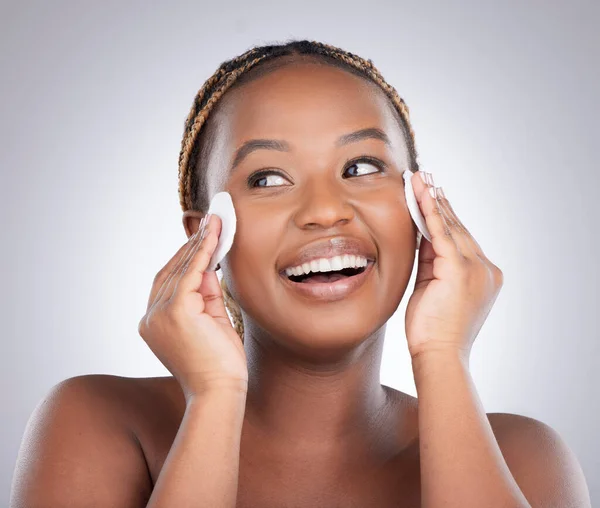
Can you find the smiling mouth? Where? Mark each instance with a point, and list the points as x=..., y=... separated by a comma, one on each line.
x=325, y=277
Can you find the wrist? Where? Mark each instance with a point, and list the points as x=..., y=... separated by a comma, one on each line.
x=221, y=387
x=439, y=354
x=437, y=368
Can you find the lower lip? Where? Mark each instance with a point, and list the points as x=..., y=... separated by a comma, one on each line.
x=330, y=291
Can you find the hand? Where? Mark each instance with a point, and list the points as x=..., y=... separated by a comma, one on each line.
x=456, y=285
x=186, y=325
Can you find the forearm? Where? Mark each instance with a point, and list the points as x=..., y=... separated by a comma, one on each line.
x=202, y=467
x=461, y=462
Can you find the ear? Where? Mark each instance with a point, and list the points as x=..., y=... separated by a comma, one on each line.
x=191, y=221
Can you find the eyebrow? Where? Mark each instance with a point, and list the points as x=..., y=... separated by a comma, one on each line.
x=282, y=146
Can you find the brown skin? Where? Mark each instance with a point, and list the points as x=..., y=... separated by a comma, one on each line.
x=318, y=423
x=313, y=367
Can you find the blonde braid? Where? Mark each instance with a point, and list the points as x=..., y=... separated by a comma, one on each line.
x=234, y=310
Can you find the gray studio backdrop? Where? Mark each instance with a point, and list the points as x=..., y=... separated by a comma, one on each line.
x=504, y=104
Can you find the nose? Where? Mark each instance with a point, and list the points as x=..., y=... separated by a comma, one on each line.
x=323, y=205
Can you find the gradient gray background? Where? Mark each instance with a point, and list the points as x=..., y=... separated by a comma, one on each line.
x=503, y=100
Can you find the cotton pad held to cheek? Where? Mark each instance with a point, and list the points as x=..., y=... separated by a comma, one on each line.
x=413, y=206
x=222, y=205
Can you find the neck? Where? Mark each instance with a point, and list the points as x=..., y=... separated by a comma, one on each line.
x=304, y=400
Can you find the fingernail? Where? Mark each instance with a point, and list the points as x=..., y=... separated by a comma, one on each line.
x=440, y=193
x=423, y=176
x=430, y=179
x=203, y=222
x=202, y=227
x=432, y=192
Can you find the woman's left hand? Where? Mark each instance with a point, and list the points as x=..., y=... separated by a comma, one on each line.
x=456, y=284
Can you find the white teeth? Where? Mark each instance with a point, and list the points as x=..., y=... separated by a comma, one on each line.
x=328, y=264
x=337, y=263
x=324, y=265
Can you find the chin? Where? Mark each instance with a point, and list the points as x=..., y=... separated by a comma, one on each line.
x=329, y=334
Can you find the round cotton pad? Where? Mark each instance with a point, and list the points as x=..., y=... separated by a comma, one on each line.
x=222, y=205
x=413, y=206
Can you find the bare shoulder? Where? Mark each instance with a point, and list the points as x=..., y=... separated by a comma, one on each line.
x=540, y=460
x=511, y=428
x=516, y=434
x=80, y=445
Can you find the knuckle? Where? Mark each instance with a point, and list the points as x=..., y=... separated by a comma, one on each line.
x=146, y=325
x=460, y=226
x=187, y=267
x=452, y=222
x=488, y=274
x=437, y=211
x=154, y=317
x=498, y=275
x=158, y=278
x=149, y=320
x=143, y=325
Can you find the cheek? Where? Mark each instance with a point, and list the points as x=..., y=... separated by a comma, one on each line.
x=255, y=245
x=396, y=241
x=395, y=233
x=253, y=255
x=391, y=223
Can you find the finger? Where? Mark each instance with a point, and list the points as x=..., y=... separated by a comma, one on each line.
x=441, y=234
x=457, y=230
x=193, y=272
x=214, y=302
x=169, y=285
x=474, y=245
x=166, y=272
x=210, y=288
x=180, y=269
x=191, y=242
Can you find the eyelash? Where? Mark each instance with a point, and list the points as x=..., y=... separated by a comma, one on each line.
x=365, y=158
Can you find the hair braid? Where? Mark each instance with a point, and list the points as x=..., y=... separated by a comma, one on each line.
x=235, y=72
x=234, y=310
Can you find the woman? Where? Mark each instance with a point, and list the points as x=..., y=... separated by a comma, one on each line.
x=285, y=408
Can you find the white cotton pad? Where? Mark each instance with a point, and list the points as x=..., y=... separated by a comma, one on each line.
x=413, y=206
x=222, y=205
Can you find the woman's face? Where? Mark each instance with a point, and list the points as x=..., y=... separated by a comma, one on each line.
x=310, y=193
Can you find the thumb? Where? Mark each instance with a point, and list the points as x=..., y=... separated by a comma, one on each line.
x=425, y=262
x=212, y=294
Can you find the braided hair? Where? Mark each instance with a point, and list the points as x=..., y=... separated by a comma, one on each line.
x=234, y=73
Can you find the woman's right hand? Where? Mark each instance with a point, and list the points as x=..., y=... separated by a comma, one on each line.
x=186, y=324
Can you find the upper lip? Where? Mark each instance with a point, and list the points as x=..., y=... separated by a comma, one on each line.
x=330, y=247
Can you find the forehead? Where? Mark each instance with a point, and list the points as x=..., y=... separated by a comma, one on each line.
x=304, y=98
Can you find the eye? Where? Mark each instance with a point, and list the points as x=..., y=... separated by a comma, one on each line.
x=265, y=173
x=368, y=160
